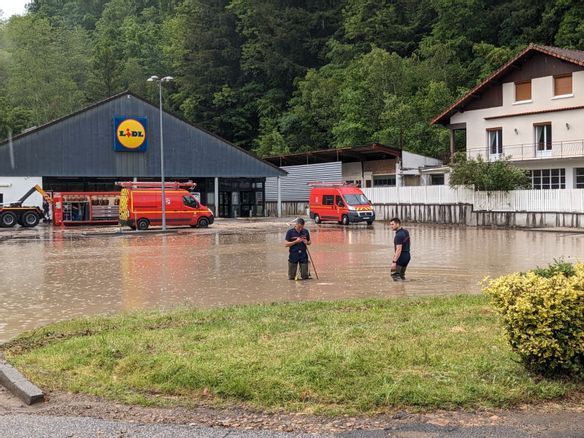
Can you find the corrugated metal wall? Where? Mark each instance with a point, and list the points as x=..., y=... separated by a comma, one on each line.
x=294, y=185
x=82, y=145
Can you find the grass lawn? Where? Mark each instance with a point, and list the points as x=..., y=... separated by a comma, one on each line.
x=345, y=357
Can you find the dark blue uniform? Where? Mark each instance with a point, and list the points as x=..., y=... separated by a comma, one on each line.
x=402, y=237
x=298, y=253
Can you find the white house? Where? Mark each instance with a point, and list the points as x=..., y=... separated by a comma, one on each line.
x=531, y=110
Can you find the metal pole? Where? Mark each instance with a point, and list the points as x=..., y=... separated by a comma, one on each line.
x=279, y=199
x=312, y=262
x=163, y=191
x=216, y=188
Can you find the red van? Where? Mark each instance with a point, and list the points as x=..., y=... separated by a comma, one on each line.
x=342, y=203
x=140, y=206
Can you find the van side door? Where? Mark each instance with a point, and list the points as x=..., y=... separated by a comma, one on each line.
x=191, y=208
x=340, y=206
x=328, y=207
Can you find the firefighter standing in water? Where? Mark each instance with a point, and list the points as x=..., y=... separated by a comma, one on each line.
x=401, y=254
x=297, y=239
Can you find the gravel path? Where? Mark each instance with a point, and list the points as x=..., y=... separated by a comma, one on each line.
x=79, y=416
x=27, y=426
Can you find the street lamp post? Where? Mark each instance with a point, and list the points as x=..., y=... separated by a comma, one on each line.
x=163, y=191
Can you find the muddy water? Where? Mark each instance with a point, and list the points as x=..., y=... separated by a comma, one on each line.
x=53, y=277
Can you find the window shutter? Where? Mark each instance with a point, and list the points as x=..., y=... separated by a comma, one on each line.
x=522, y=91
x=562, y=85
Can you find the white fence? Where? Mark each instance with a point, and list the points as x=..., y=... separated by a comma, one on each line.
x=559, y=201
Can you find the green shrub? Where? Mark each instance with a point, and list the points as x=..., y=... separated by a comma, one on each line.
x=543, y=316
x=559, y=266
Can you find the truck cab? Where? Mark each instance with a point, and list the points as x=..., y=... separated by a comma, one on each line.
x=341, y=203
x=17, y=213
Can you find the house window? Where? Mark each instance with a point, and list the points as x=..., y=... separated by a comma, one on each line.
x=543, y=137
x=579, y=179
x=522, y=91
x=495, y=138
x=437, y=180
x=327, y=200
x=384, y=181
x=562, y=85
x=548, y=178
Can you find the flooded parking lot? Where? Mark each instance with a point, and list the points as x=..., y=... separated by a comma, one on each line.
x=48, y=276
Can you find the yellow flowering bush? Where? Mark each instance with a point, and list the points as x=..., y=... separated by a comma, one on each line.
x=543, y=316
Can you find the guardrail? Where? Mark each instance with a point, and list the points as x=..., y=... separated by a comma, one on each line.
x=534, y=151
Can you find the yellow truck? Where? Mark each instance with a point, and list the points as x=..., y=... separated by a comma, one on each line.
x=16, y=213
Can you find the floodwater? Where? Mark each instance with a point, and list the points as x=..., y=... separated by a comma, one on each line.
x=52, y=277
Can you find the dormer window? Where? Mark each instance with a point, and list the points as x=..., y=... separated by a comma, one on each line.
x=522, y=91
x=563, y=85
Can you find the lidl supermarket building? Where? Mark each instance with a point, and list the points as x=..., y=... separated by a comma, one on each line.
x=118, y=139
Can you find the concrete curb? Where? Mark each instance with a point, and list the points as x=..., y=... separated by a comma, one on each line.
x=18, y=385
x=127, y=233
x=558, y=230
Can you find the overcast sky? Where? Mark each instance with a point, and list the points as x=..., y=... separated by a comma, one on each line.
x=11, y=7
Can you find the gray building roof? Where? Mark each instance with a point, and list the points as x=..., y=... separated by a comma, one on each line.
x=82, y=144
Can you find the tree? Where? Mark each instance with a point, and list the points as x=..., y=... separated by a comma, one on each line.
x=277, y=75
x=126, y=48
x=489, y=176
x=13, y=120
x=204, y=50
x=47, y=67
x=394, y=25
x=368, y=81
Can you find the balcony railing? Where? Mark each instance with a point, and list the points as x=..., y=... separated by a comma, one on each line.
x=533, y=151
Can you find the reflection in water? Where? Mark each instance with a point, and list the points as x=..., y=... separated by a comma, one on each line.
x=57, y=278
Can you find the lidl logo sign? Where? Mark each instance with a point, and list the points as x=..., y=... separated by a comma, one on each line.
x=130, y=134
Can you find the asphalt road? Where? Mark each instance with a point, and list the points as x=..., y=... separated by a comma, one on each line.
x=32, y=426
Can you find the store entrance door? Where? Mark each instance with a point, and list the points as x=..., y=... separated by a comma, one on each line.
x=224, y=204
x=248, y=200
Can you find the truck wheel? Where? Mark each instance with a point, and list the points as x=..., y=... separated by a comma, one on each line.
x=30, y=219
x=142, y=224
x=203, y=223
x=345, y=220
x=7, y=219
x=317, y=219
x=369, y=223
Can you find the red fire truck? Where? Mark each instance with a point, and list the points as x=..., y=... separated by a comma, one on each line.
x=141, y=205
x=339, y=202
x=86, y=208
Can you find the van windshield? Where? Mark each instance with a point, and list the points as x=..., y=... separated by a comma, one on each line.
x=356, y=199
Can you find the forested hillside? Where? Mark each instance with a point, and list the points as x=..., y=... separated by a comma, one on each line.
x=274, y=76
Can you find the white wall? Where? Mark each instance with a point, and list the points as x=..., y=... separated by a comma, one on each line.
x=542, y=91
x=414, y=161
x=13, y=188
x=567, y=201
x=353, y=171
x=570, y=166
